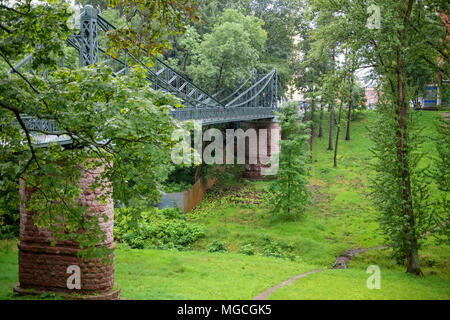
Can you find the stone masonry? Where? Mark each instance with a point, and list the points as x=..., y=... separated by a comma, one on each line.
x=43, y=267
x=254, y=171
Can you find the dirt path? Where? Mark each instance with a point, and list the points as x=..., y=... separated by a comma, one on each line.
x=265, y=294
x=340, y=263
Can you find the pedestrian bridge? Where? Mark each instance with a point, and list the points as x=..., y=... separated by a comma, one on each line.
x=256, y=98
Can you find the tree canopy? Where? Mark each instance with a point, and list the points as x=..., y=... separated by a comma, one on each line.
x=116, y=122
x=230, y=52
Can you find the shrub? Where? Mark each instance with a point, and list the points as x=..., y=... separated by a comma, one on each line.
x=278, y=249
x=160, y=229
x=248, y=249
x=217, y=246
x=272, y=250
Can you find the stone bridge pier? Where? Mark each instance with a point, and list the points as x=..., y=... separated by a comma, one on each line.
x=44, y=267
x=258, y=155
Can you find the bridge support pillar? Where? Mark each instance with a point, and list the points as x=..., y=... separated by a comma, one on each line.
x=44, y=268
x=89, y=36
x=255, y=153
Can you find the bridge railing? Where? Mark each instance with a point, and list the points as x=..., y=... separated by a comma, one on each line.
x=256, y=102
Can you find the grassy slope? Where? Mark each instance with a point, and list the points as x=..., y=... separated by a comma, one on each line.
x=342, y=217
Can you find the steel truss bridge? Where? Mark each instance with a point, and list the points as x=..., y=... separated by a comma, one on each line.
x=256, y=98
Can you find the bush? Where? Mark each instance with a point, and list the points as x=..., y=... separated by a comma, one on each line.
x=248, y=249
x=272, y=250
x=217, y=246
x=278, y=250
x=160, y=229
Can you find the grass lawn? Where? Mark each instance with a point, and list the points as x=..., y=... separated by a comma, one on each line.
x=165, y=274
x=341, y=217
x=351, y=284
x=157, y=274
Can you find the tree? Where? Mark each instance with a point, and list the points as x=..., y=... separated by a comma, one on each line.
x=282, y=20
x=229, y=53
x=309, y=68
x=402, y=37
x=342, y=95
x=356, y=101
x=116, y=122
x=350, y=107
x=441, y=175
x=290, y=188
x=392, y=63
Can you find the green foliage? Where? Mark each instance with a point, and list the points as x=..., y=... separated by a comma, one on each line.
x=9, y=224
x=342, y=217
x=226, y=174
x=127, y=109
x=149, y=25
x=272, y=250
x=402, y=63
x=247, y=249
x=290, y=188
x=181, y=178
x=229, y=53
x=277, y=249
x=387, y=184
x=116, y=123
x=442, y=143
x=217, y=246
x=441, y=175
x=161, y=229
x=9, y=201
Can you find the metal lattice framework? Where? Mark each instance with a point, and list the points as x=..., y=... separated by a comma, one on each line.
x=255, y=99
x=88, y=38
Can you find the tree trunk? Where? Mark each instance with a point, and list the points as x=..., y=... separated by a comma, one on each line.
x=311, y=136
x=332, y=120
x=412, y=257
x=219, y=79
x=321, y=119
x=413, y=265
x=330, y=134
x=350, y=105
x=337, y=135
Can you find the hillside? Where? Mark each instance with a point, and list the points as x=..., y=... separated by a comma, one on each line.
x=262, y=253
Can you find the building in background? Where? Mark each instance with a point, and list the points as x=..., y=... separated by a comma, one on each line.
x=371, y=97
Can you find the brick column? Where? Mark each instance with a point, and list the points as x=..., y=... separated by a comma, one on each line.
x=43, y=267
x=253, y=171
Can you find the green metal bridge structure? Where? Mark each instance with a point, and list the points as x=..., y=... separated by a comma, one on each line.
x=256, y=98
